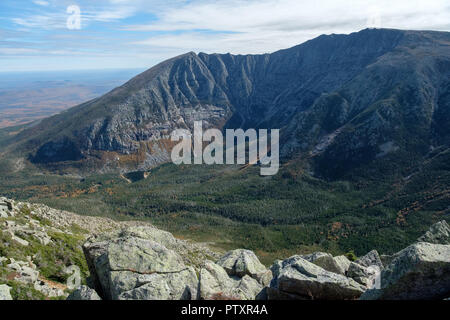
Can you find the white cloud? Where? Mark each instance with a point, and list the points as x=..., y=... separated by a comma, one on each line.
x=267, y=25
x=109, y=14
x=17, y=51
x=165, y=28
x=41, y=3
x=46, y=22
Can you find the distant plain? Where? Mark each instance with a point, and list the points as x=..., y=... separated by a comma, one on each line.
x=29, y=96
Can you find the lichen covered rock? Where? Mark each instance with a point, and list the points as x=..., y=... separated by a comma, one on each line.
x=419, y=272
x=297, y=278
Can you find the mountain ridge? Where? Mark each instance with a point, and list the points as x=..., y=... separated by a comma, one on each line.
x=333, y=94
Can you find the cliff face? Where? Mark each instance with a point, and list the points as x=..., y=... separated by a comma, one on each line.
x=350, y=99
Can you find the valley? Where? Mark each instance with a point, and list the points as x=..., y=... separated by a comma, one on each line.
x=232, y=207
x=364, y=147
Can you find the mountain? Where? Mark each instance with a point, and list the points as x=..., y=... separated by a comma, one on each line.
x=364, y=144
x=344, y=103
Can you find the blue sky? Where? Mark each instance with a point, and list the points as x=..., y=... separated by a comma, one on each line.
x=34, y=34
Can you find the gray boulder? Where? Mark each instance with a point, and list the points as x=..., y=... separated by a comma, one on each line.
x=180, y=285
x=343, y=263
x=84, y=293
x=7, y=208
x=216, y=284
x=27, y=275
x=3, y=211
x=439, y=233
x=367, y=276
x=192, y=254
x=297, y=278
x=419, y=272
x=242, y=262
x=371, y=259
x=326, y=261
x=5, y=293
x=250, y=288
x=129, y=267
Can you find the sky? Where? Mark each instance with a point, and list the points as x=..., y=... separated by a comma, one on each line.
x=37, y=35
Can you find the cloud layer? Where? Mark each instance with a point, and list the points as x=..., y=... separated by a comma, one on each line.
x=138, y=33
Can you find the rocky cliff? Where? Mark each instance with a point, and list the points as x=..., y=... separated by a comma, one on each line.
x=41, y=249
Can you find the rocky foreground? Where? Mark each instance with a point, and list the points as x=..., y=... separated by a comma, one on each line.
x=130, y=261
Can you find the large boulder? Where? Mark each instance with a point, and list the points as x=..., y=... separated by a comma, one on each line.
x=326, y=261
x=297, y=278
x=7, y=208
x=242, y=262
x=191, y=254
x=419, y=272
x=343, y=264
x=3, y=210
x=84, y=293
x=5, y=293
x=24, y=273
x=130, y=267
x=181, y=285
x=216, y=284
x=27, y=275
x=367, y=276
x=439, y=233
x=371, y=259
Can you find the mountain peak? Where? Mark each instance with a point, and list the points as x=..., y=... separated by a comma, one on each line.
x=323, y=89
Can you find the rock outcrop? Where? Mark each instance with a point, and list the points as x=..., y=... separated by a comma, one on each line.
x=297, y=278
x=371, y=259
x=144, y=263
x=216, y=284
x=326, y=261
x=131, y=261
x=366, y=276
x=242, y=262
x=439, y=233
x=39, y=243
x=84, y=293
x=136, y=268
x=7, y=208
x=343, y=264
x=5, y=292
x=419, y=272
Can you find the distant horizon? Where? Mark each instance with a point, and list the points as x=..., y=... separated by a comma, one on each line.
x=51, y=35
x=31, y=95
x=73, y=70
x=144, y=68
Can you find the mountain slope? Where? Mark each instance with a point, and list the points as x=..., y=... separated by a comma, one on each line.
x=341, y=101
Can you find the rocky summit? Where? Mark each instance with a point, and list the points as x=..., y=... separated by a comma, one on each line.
x=135, y=261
